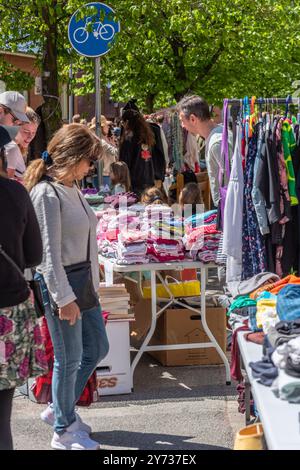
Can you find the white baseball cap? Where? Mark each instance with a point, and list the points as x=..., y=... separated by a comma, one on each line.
x=16, y=103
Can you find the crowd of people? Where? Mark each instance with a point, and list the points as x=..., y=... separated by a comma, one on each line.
x=47, y=224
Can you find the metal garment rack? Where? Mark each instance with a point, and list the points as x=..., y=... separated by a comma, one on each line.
x=271, y=101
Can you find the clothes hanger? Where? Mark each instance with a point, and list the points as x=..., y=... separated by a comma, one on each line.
x=287, y=107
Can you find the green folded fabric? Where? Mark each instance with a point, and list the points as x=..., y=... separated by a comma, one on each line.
x=241, y=301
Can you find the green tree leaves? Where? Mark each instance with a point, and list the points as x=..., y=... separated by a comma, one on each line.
x=167, y=48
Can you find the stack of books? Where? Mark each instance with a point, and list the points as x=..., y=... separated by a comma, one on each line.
x=115, y=301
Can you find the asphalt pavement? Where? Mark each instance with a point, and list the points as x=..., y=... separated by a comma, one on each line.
x=171, y=408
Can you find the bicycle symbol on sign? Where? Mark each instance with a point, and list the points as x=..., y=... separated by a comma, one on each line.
x=100, y=30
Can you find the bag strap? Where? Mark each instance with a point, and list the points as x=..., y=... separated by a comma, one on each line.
x=171, y=277
x=11, y=261
x=224, y=146
x=88, y=255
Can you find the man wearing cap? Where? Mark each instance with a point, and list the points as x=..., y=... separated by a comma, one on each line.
x=12, y=113
x=12, y=108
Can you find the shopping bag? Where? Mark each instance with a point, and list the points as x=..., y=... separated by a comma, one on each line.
x=177, y=288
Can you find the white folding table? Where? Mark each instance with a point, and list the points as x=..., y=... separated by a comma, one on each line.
x=111, y=266
x=279, y=418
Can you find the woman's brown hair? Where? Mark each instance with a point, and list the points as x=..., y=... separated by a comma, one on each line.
x=69, y=146
x=140, y=128
x=153, y=196
x=190, y=194
x=121, y=174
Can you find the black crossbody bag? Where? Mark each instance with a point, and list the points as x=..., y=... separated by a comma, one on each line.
x=79, y=276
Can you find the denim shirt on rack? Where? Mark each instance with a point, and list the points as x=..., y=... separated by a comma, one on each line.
x=257, y=196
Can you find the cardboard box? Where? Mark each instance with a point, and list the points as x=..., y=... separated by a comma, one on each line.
x=179, y=326
x=142, y=314
x=113, y=372
x=133, y=290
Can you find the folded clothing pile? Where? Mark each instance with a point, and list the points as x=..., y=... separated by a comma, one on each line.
x=92, y=196
x=159, y=221
x=202, y=239
x=132, y=247
x=108, y=249
x=89, y=191
x=197, y=220
x=121, y=199
x=162, y=250
x=203, y=242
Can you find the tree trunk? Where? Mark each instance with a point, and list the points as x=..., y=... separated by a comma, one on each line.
x=51, y=109
x=180, y=95
x=150, y=103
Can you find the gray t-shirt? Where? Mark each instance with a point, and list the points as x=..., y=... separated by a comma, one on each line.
x=64, y=227
x=214, y=161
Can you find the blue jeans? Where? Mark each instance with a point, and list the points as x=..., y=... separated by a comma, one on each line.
x=106, y=180
x=77, y=351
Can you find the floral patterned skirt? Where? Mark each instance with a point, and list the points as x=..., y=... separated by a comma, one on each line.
x=22, y=352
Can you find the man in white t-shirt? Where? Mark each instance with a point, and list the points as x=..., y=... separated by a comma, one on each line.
x=196, y=118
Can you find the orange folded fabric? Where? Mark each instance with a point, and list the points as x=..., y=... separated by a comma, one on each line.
x=275, y=287
x=291, y=279
x=265, y=287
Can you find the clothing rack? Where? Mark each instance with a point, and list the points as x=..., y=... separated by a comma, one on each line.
x=287, y=100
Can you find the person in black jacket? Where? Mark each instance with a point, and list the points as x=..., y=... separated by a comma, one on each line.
x=20, y=248
x=136, y=144
x=158, y=156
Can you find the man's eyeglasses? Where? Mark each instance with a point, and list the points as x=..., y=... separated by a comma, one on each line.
x=15, y=120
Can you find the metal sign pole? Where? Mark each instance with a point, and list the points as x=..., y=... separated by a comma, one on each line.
x=92, y=35
x=71, y=97
x=98, y=96
x=98, y=112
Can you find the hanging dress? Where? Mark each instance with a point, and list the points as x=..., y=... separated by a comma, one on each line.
x=233, y=215
x=254, y=252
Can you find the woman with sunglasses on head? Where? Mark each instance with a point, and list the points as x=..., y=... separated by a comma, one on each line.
x=68, y=228
x=16, y=151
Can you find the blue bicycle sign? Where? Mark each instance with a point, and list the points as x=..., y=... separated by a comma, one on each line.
x=93, y=35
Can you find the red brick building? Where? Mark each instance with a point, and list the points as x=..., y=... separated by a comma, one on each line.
x=26, y=63
x=83, y=105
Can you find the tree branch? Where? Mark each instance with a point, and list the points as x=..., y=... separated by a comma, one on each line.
x=18, y=39
x=209, y=66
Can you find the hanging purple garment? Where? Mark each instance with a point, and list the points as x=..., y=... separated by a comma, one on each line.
x=254, y=259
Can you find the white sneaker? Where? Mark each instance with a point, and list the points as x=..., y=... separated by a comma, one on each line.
x=48, y=417
x=73, y=440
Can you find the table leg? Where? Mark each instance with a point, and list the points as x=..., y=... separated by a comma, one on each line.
x=206, y=328
x=152, y=327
